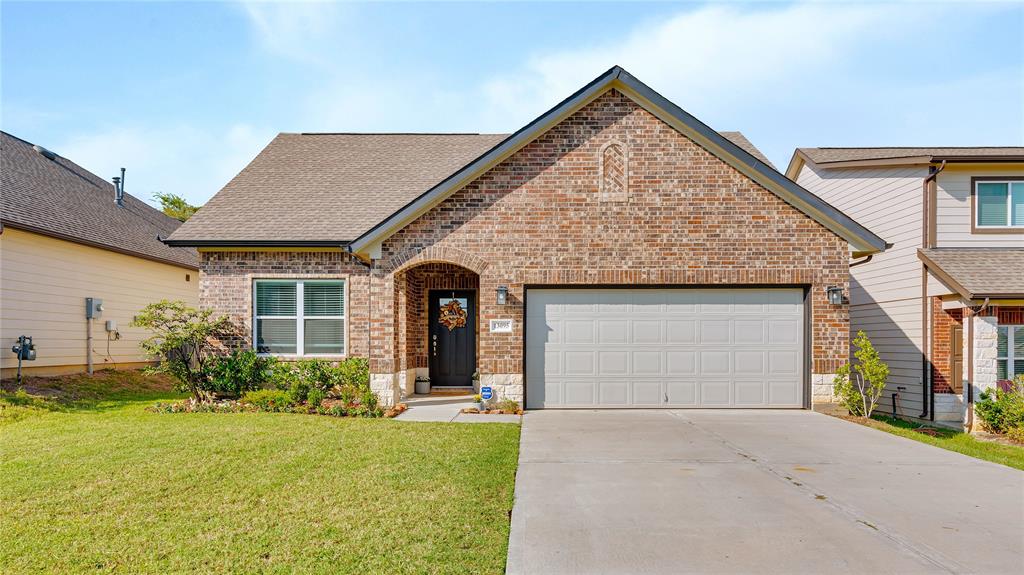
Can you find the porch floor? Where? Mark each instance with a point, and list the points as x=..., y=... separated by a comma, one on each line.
x=448, y=408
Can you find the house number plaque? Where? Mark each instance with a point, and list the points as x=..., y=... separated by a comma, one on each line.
x=501, y=326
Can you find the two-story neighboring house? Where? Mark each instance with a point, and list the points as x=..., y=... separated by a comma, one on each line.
x=945, y=304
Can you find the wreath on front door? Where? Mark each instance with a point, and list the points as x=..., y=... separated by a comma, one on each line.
x=453, y=315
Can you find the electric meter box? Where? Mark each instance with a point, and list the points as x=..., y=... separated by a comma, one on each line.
x=93, y=307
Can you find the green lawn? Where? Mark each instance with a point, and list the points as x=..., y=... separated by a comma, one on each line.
x=1009, y=455
x=93, y=482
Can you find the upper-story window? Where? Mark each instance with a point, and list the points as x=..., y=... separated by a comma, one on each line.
x=999, y=204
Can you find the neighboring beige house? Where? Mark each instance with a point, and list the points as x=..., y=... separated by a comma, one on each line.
x=944, y=303
x=65, y=237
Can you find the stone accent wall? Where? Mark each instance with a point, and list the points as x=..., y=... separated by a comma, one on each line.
x=225, y=285
x=689, y=219
x=942, y=329
x=985, y=348
x=822, y=388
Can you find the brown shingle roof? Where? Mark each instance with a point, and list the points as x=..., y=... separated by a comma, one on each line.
x=60, y=198
x=324, y=188
x=740, y=140
x=827, y=155
x=979, y=272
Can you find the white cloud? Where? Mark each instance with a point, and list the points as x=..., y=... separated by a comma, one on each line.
x=296, y=29
x=191, y=162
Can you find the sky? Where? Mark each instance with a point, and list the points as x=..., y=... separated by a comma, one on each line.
x=185, y=94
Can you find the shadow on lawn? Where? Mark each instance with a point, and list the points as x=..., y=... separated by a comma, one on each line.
x=103, y=391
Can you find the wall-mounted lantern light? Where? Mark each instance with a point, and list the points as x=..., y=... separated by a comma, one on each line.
x=835, y=295
x=502, y=295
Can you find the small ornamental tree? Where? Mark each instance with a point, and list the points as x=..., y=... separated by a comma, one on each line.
x=181, y=342
x=860, y=386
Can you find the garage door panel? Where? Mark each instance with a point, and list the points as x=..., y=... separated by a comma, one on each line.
x=664, y=348
x=714, y=363
x=614, y=392
x=682, y=393
x=647, y=362
x=749, y=393
x=714, y=331
x=579, y=393
x=783, y=392
x=611, y=331
x=715, y=392
x=682, y=331
x=681, y=362
x=647, y=331
x=647, y=393
x=579, y=362
x=748, y=362
x=613, y=362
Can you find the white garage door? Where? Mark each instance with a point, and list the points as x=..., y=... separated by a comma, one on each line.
x=664, y=348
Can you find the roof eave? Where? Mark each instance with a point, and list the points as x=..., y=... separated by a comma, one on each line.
x=255, y=243
x=862, y=239
x=98, y=245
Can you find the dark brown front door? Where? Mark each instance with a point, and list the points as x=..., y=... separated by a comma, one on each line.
x=956, y=357
x=452, y=344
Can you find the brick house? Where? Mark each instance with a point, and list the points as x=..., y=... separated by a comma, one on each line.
x=945, y=303
x=614, y=252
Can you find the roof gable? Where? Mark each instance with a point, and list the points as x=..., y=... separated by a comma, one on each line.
x=54, y=196
x=862, y=240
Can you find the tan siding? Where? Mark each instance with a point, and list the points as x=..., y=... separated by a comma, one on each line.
x=953, y=208
x=885, y=293
x=43, y=286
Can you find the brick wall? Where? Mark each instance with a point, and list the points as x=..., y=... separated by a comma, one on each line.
x=686, y=218
x=225, y=284
x=942, y=329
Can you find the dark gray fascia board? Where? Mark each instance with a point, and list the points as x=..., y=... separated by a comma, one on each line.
x=255, y=243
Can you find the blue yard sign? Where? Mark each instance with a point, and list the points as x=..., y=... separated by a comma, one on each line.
x=485, y=393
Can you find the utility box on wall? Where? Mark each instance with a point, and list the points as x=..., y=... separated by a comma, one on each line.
x=93, y=308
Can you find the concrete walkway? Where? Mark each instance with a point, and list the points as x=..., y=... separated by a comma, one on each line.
x=448, y=408
x=753, y=492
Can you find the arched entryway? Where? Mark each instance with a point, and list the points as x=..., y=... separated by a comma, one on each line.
x=438, y=324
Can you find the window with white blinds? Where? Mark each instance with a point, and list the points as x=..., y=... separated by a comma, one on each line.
x=1009, y=351
x=299, y=317
x=999, y=205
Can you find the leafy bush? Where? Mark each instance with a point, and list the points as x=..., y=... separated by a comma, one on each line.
x=315, y=398
x=182, y=342
x=1002, y=411
x=507, y=405
x=859, y=387
x=299, y=391
x=273, y=400
x=239, y=372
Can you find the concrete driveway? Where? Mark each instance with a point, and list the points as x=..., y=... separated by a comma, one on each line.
x=753, y=492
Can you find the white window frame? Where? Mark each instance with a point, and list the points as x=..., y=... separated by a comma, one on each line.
x=300, y=317
x=1009, y=358
x=1009, y=205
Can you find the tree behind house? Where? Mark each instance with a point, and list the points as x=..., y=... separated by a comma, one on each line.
x=175, y=206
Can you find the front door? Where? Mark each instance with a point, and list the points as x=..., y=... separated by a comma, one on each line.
x=956, y=354
x=452, y=345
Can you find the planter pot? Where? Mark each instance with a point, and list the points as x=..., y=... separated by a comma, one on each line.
x=422, y=387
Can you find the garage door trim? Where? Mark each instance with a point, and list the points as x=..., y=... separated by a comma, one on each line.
x=808, y=344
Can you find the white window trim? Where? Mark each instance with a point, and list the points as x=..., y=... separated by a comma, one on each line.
x=300, y=317
x=1009, y=205
x=1009, y=357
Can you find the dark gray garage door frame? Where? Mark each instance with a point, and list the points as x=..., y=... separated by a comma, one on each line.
x=808, y=332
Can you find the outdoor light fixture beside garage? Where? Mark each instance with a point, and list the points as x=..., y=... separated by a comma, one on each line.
x=502, y=295
x=835, y=295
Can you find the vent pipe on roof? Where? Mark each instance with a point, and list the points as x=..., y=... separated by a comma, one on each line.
x=119, y=189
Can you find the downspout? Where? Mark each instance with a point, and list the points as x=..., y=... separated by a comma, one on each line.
x=863, y=261
x=971, y=313
x=927, y=241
